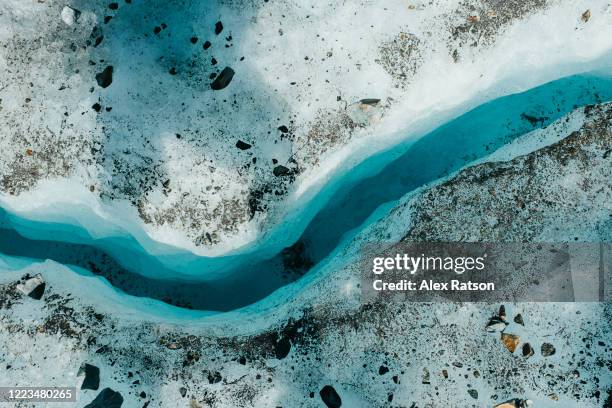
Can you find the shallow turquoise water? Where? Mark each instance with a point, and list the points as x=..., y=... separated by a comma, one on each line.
x=383, y=178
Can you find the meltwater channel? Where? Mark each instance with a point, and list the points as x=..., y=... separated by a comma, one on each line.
x=455, y=144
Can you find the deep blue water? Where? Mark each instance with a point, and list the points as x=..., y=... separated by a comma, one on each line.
x=443, y=151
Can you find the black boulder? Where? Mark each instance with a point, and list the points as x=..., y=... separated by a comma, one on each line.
x=223, y=79
x=330, y=397
x=107, y=398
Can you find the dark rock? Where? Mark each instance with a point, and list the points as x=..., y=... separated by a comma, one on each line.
x=218, y=27
x=282, y=348
x=172, y=71
x=527, y=350
x=243, y=145
x=473, y=393
x=38, y=291
x=33, y=287
x=206, y=45
x=190, y=358
x=547, y=349
x=296, y=259
x=283, y=129
x=255, y=201
x=113, y=6
x=97, y=107
x=425, y=376
x=534, y=120
x=107, y=398
x=193, y=40
x=183, y=391
x=330, y=397
x=502, y=312
x=242, y=360
x=513, y=403
x=143, y=394
x=157, y=30
x=281, y=170
x=586, y=16
x=495, y=325
x=370, y=101
x=105, y=78
x=214, y=377
x=383, y=370
x=223, y=80
x=92, y=377
x=518, y=319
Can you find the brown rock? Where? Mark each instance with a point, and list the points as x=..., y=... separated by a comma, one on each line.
x=511, y=341
x=586, y=16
